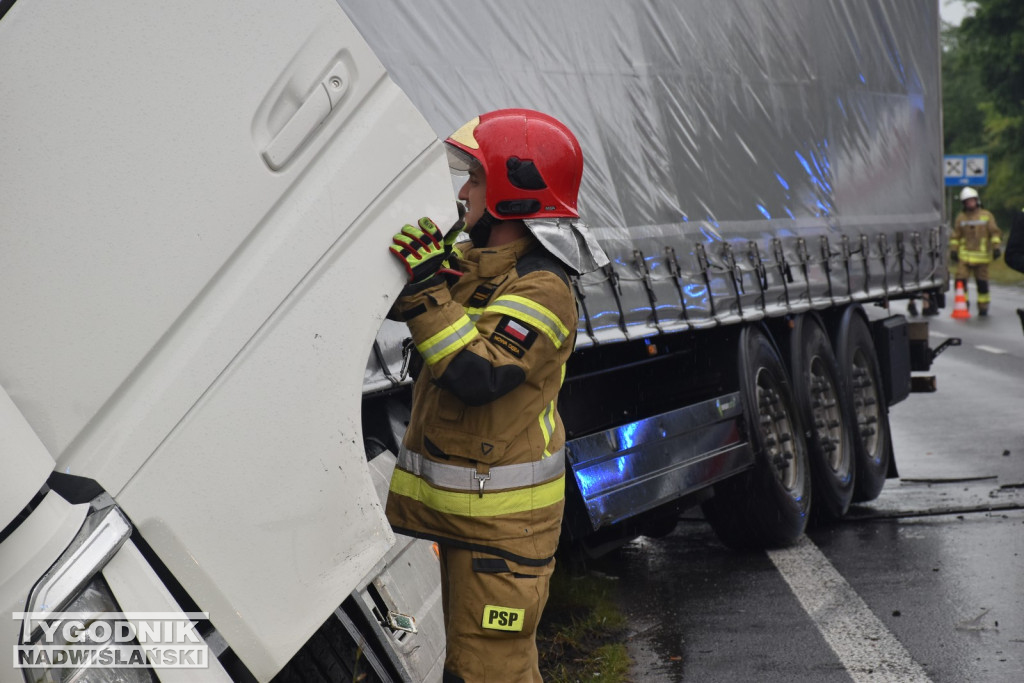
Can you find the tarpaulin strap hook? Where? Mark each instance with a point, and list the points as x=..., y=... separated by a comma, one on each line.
x=805, y=260
x=783, y=266
x=613, y=279
x=676, y=272
x=580, y=298
x=883, y=248
x=754, y=254
x=865, y=252
x=845, y=243
x=735, y=274
x=645, y=273
x=702, y=261
x=826, y=256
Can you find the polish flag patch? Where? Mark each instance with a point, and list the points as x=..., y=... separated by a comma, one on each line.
x=513, y=336
x=516, y=330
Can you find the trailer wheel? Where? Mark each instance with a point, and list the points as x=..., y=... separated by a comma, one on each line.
x=862, y=381
x=826, y=416
x=767, y=505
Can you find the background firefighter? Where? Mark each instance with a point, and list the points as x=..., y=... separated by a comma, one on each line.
x=481, y=469
x=975, y=243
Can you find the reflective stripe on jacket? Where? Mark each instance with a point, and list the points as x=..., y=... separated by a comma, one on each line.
x=975, y=235
x=455, y=489
x=482, y=463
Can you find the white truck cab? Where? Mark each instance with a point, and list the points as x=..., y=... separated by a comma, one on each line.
x=195, y=203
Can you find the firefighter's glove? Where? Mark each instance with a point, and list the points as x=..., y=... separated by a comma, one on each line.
x=996, y=253
x=420, y=249
x=954, y=257
x=451, y=254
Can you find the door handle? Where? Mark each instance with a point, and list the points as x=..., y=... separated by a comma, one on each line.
x=308, y=118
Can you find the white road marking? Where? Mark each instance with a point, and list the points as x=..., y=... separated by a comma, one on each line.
x=990, y=349
x=868, y=650
x=940, y=335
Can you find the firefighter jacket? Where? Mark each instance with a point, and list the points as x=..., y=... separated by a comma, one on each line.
x=975, y=235
x=482, y=463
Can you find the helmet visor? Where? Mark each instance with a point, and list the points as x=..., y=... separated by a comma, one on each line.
x=460, y=161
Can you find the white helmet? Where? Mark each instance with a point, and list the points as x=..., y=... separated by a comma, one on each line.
x=968, y=193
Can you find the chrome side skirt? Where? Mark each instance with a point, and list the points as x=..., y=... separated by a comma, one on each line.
x=633, y=468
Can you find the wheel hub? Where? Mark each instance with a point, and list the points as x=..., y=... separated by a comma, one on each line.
x=776, y=432
x=865, y=403
x=827, y=418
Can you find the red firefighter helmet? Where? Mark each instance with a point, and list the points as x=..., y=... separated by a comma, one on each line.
x=533, y=163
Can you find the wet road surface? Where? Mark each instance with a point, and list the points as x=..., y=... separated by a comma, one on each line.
x=924, y=584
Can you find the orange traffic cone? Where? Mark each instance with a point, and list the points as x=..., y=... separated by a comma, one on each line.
x=960, y=311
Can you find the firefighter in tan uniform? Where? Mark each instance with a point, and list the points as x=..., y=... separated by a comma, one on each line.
x=975, y=243
x=482, y=469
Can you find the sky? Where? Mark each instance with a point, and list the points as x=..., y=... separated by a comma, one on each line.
x=953, y=11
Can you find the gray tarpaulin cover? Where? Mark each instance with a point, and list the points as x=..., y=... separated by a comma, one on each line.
x=743, y=158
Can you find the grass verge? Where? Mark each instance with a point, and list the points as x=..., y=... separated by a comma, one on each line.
x=1002, y=274
x=582, y=633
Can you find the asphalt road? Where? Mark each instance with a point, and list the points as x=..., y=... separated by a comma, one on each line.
x=924, y=584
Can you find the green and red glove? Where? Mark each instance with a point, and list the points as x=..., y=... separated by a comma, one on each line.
x=423, y=251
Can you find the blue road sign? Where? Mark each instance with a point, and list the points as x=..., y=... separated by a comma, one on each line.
x=965, y=169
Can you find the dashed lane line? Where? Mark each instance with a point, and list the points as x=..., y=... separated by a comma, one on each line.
x=868, y=650
x=990, y=349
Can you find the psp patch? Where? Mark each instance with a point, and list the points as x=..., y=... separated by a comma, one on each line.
x=498, y=618
x=513, y=336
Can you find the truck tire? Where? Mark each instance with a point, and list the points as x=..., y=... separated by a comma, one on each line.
x=862, y=381
x=826, y=416
x=767, y=505
x=331, y=655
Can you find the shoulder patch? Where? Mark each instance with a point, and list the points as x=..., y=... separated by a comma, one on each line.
x=513, y=336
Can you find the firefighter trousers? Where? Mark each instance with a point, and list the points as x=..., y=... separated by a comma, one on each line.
x=980, y=272
x=491, y=610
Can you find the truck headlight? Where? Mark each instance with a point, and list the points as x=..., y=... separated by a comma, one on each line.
x=91, y=604
x=101, y=536
x=73, y=584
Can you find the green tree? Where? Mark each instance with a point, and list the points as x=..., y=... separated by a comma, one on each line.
x=963, y=121
x=994, y=38
x=983, y=97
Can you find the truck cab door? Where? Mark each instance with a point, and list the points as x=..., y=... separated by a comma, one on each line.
x=196, y=200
